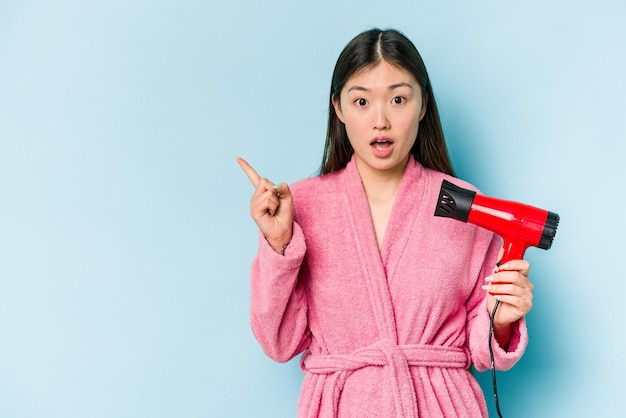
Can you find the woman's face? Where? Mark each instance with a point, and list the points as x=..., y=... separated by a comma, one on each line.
x=381, y=108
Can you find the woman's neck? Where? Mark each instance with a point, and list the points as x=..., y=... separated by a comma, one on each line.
x=381, y=185
x=381, y=188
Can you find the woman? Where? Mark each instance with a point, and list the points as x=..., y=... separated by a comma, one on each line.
x=389, y=303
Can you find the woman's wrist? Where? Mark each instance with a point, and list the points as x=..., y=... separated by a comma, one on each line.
x=502, y=334
x=280, y=245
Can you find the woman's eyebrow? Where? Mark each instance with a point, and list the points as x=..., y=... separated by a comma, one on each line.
x=398, y=85
x=357, y=88
x=391, y=87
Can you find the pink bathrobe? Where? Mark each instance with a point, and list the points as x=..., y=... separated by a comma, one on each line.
x=387, y=333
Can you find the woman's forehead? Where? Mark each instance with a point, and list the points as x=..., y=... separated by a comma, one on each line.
x=381, y=75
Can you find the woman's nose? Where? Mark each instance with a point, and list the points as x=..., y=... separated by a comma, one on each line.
x=381, y=121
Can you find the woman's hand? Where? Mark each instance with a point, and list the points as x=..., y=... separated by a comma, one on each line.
x=271, y=207
x=511, y=286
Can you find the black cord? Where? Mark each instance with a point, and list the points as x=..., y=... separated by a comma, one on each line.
x=493, y=362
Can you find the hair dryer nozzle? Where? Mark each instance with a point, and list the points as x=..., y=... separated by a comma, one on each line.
x=454, y=201
x=549, y=231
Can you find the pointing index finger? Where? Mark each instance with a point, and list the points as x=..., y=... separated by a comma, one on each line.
x=253, y=176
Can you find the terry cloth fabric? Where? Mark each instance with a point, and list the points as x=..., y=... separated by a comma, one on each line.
x=389, y=332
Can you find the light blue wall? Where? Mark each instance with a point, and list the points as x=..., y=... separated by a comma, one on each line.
x=125, y=241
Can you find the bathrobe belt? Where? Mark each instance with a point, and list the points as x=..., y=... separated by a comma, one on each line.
x=396, y=359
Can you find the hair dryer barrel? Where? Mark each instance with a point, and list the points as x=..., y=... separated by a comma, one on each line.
x=520, y=225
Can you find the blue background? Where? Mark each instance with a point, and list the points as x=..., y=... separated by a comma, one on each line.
x=125, y=239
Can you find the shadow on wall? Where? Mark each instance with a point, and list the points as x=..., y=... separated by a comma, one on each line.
x=466, y=142
x=546, y=366
x=547, y=363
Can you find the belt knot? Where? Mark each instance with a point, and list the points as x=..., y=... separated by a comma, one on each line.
x=396, y=359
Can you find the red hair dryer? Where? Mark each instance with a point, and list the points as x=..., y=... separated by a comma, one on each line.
x=520, y=225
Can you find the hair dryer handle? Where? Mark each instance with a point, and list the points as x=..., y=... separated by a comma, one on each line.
x=513, y=250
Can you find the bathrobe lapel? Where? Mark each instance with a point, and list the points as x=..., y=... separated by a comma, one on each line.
x=403, y=221
x=375, y=264
x=369, y=257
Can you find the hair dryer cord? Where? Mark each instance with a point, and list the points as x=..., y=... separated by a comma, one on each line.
x=493, y=362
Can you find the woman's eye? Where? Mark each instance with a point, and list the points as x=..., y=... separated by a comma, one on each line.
x=361, y=102
x=398, y=100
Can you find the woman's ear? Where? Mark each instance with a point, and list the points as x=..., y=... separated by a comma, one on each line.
x=337, y=106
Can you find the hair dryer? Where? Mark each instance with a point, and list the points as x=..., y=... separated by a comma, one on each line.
x=520, y=225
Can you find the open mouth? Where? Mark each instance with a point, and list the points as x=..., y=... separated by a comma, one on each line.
x=381, y=143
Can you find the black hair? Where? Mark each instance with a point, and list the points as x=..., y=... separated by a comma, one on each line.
x=366, y=50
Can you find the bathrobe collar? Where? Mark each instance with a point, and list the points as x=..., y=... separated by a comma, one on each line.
x=378, y=266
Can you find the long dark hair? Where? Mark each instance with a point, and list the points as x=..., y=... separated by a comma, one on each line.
x=366, y=50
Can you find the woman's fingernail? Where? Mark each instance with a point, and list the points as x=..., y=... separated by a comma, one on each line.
x=277, y=186
x=486, y=287
x=489, y=279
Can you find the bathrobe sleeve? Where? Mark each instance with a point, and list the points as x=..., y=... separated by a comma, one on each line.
x=278, y=307
x=479, y=322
